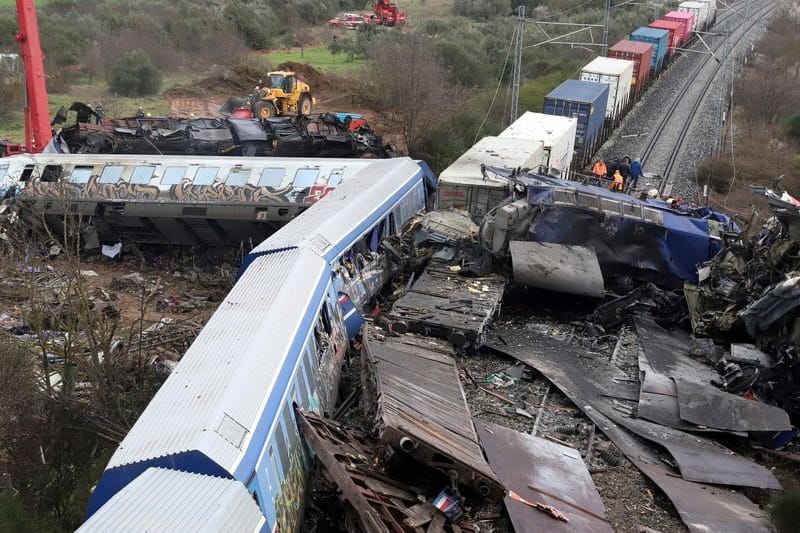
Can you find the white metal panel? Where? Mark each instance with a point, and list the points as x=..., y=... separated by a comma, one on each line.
x=617, y=74
x=161, y=501
x=343, y=209
x=699, y=9
x=555, y=132
x=214, y=398
x=493, y=151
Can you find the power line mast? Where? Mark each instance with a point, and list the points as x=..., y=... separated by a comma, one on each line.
x=517, y=75
x=605, y=27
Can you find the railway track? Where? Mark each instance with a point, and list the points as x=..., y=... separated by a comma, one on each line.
x=687, y=116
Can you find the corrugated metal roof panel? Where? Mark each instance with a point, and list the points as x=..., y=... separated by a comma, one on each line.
x=215, y=396
x=345, y=208
x=609, y=66
x=579, y=91
x=493, y=151
x=633, y=47
x=541, y=127
x=161, y=501
x=652, y=33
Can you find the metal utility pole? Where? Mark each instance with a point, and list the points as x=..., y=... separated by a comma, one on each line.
x=605, y=28
x=517, y=76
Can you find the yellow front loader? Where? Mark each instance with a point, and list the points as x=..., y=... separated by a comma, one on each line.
x=284, y=94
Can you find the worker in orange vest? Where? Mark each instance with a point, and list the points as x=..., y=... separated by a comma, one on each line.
x=599, y=170
x=619, y=182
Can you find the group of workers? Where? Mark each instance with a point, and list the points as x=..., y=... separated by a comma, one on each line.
x=624, y=174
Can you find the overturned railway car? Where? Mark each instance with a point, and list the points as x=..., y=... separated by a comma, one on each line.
x=212, y=201
x=277, y=342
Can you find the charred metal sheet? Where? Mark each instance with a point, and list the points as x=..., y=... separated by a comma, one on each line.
x=658, y=398
x=772, y=306
x=703, y=508
x=545, y=472
x=699, y=459
x=557, y=267
x=443, y=304
x=340, y=452
x=668, y=352
x=707, y=406
x=749, y=354
x=421, y=408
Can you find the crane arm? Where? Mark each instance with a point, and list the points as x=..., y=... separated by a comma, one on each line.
x=37, y=114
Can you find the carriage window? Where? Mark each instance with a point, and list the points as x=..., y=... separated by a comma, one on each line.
x=142, y=175
x=51, y=173
x=80, y=175
x=111, y=174
x=205, y=176
x=305, y=178
x=288, y=422
x=326, y=321
x=273, y=470
x=271, y=177
x=237, y=177
x=309, y=373
x=302, y=383
x=336, y=178
x=283, y=452
x=173, y=175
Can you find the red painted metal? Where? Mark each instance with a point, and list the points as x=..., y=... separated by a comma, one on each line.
x=675, y=32
x=37, y=114
x=388, y=13
x=640, y=53
x=687, y=19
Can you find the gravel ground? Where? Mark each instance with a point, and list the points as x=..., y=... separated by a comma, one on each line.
x=637, y=128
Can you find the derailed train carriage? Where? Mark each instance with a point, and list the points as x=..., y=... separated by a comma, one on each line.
x=276, y=342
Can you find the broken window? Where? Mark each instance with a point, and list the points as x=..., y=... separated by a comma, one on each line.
x=80, y=175
x=142, y=175
x=237, y=177
x=173, y=175
x=271, y=177
x=111, y=174
x=335, y=178
x=305, y=178
x=26, y=173
x=51, y=173
x=205, y=176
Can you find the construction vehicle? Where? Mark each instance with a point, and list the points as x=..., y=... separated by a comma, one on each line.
x=37, y=114
x=388, y=13
x=283, y=95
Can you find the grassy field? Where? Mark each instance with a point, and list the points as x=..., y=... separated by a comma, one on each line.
x=318, y=57
x=13, y=3
x=418, y=9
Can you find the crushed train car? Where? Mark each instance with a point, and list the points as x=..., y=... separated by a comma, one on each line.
x=629, y=239
x=319, y=135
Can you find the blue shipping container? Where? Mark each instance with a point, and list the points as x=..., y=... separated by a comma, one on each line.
x=660, y=41
x=583, y=100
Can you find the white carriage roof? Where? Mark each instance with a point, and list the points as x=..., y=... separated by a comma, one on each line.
x=549, y=129
x=161, y=501
x=215, y=397
x=326, y=225
x=497, y=152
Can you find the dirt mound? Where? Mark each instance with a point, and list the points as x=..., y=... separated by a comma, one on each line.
x=316, y=79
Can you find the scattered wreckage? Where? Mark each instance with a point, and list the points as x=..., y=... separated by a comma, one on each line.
x=319, y=135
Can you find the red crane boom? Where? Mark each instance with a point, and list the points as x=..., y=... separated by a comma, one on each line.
x=37, y=113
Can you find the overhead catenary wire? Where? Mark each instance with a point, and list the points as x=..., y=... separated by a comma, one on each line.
x=499, y=83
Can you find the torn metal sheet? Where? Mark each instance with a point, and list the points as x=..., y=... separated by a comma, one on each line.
x=707, y=406
x=699, y=459
x=341, y=454
x=703, y=508
x=772, y=306
x=557, y=267
x=668, y=352
x=443, y=304
x=546, y=472
x=421, y=408
x=749, y=354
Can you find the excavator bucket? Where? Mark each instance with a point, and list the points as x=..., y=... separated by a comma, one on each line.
x=231, y=104
x=557, y=267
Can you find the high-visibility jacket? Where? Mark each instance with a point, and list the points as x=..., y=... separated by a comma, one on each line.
x=619, y=182
x=599, y=168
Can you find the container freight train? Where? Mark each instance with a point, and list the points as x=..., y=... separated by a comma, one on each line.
x=218, y=448
x=609, y=86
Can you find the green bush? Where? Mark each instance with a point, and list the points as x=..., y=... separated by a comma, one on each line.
x=784, y=508
x=134, y=74
x=481, y=9
x=793, y=127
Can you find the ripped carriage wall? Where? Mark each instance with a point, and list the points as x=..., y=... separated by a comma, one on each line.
x=170, y=199
x=640, y=239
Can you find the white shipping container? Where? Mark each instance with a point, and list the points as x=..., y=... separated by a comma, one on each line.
x=617, y=74
x=556, y=133
x=712, y=8
x=700, y=11
x=463, y=186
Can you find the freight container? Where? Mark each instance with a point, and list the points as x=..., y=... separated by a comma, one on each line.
x=660, y=41
x=642, y=56
x=617, y=74
x=711, y=12
x=585, y=101
x=462, y=185
x=686, y=19
x=700, y=12
x=556, y=133
x=675, y=30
